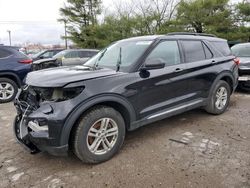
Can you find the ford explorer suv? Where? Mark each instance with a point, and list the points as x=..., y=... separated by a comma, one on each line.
x=88, y=109
x=242, y=51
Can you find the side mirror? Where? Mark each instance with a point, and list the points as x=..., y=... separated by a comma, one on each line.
x=153, y=64
x=41, y=57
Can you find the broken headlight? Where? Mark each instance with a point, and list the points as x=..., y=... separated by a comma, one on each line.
x=57, y=94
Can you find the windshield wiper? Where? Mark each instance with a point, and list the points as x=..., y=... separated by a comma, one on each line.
x=97, y=61
x=119, y=61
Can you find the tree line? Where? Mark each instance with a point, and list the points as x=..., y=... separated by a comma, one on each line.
x=89, y=26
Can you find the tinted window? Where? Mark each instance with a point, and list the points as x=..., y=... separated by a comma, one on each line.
x=92, y=53
x=193, y=51
x=222, y=47
x=83, y=54
x=208, y=53
x=4, y=53
x=167, y=52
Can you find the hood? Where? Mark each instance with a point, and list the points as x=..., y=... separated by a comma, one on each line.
x=59, y=77
x=244, y=62
x=44, y=60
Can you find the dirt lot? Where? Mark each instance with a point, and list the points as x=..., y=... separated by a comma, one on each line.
x=217, y=155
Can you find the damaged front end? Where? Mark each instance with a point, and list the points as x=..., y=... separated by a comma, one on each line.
x=41, y=113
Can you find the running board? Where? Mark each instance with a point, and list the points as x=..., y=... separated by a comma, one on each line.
x=168, y=113
x=175, y=109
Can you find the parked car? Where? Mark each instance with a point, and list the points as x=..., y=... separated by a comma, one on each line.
x=65, y=58
x=131, y=83
x=45, y=54
x=242, y=51
x=14, y=66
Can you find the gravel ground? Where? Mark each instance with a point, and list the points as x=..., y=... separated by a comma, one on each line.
x=217, y=155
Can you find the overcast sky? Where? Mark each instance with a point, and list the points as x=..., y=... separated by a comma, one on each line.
x=33, y=21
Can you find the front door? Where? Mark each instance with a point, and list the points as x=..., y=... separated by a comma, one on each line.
x=163, y=88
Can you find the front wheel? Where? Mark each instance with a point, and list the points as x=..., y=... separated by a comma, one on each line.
x=219, y=99
x=99, y=135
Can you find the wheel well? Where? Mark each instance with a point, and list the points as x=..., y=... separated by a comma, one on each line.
x=229, y=81
x=11, y=77
x=117, y=106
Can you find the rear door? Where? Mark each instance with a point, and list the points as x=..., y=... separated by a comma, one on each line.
x=200, y=72
x=163, y=88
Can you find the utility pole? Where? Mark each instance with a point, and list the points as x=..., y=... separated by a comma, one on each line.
x=65, y=34
x=9, y=36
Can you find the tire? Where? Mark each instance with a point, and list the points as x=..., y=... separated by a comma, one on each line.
x=215, y=107
x=83, y=141
x=8, y=90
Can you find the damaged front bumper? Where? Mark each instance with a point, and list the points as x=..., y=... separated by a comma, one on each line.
x=37, y=129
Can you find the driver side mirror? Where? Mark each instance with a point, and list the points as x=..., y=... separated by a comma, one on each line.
x=153, y=64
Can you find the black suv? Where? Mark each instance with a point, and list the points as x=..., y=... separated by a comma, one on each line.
x=131, y=83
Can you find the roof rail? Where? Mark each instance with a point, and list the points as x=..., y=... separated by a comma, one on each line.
x=189, y=33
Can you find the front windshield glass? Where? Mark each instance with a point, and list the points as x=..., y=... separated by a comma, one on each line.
x=241, y=50
x=60, y=54
x=123, y=54
x=38, y=54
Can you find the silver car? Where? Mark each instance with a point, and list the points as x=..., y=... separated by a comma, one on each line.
x=65, y=58
x=242, y=51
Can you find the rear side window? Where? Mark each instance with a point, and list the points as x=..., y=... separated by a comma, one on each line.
x=83, y=54
x=208, y=53
x=92, y=53
x=193, y=51
x=222, y=47
x=4, y=53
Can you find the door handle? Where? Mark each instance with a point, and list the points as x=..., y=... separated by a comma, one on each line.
x=213, y=61
x=178, y=70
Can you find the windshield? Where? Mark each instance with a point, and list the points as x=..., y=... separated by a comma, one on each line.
x=241, y=50
x=122, y=54
x=38, y=54
x=60, y=54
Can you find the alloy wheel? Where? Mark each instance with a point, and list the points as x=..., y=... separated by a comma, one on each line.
x=221, y=98
x=6, y=90
x=102, y=136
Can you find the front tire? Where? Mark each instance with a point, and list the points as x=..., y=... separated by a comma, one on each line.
x=99, y=135
x=8, y=90
x=219, y=99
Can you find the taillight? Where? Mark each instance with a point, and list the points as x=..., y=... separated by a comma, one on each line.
x=25, y=61
x=237, y=61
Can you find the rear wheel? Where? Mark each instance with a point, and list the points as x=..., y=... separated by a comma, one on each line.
x=219, y=99
x=8, y=90
x=99, y=135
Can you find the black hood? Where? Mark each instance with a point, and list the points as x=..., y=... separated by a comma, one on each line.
x=59, y=77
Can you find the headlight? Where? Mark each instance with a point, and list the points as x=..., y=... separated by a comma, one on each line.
x=58, y=94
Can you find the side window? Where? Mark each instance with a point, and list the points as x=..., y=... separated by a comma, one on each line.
x=91, y=54
x=73, y=54
x=222, y=46
x=83, y=54
x=208, y=53
x=4, y=53
x=167, y=52
x=193, y=51
x=47, y=54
